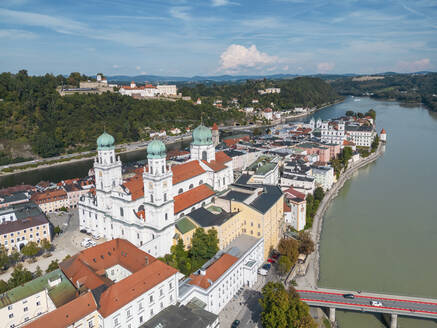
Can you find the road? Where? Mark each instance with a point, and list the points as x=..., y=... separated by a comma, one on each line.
x=390, y=304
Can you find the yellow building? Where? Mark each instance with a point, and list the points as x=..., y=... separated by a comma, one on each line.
x=257, y=211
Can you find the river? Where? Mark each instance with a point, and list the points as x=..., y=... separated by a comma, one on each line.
x=380, y=233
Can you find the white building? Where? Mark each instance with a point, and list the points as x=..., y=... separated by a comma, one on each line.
x=148, y=90
x=268, y=114
x=295, y=209
x=166, y=90
x=383, y=136
x=304, y=184
x=361, y=135
x=324, y=176
x=333, y=132
x=144, y=208
x=220, y=278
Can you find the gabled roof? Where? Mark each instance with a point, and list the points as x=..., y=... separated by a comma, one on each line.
x=205, y=218
x=85, y=266
x=67, y=314
x=135, y=186
x=185, y=225
x=293, y=193
x=128, y=289
x=216, y=166
x=269, y=196
x=191, y=197
x=213, y=272
x=185, y=171
x=221, y=156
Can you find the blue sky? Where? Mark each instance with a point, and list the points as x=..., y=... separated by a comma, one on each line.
x=212, y=37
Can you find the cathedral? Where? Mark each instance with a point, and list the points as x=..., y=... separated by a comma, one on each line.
x=145, y=208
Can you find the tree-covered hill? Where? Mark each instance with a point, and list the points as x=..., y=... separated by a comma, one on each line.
x=409, y=88
x=31, y=110
x=298, y=92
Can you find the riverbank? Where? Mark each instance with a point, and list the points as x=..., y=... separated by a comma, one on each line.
x=310, y=279
x=292, y=117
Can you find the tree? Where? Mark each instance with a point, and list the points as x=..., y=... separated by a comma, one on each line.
x=38, y=272
x=306, y=244
x=57, y=230
x=14, y=257
x=275, y=304
x=290, y=248
x=213, y=243
x=4, y=258
x=319, y=194
x=285, y=264
x=45, y=244
x=346, y=155
x=4, y=287
x=371, y=113
x=31, y=249
x=199, y=245
x=19, y=276
x=350, y=113
x=52, y=266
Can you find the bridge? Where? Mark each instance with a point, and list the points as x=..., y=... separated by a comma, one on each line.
x=361, y=301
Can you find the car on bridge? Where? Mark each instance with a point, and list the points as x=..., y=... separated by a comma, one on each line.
x=350, y=296
x=376, y=303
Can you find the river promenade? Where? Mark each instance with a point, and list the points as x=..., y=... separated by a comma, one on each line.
x=310, y=279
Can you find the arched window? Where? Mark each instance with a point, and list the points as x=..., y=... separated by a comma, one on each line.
x=200, y=182
x=204, y=155
x=163, y=169
x=192, y=209
x=224, y=181
x=180, y=191
x=111, y=160
x=151, y=169
x=191, y=186
x=101, y=185
x=166, y=216
x=151, y=198
x=165, y=197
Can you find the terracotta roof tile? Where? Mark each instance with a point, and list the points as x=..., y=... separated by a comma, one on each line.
x=191, y=197
x=128, y=289
x=221, y=156
x=294, y=193
x=67, y=314
x=286, y=207
x=214, y=271
x=135, y=186
x=215, y=165
x=49, y=196
x=185, y=171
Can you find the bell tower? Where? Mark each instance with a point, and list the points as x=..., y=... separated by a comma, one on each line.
x=158, y=182
x=202, y=147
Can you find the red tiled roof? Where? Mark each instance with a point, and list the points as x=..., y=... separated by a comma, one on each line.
x=215, y=165
x=221, y=156
x=84, y=265
x=214, y=271
x=49, y=196
x=191, y=197
x=67, y=314
x=348, y=143
x=286, y=207
x=293, y=192
x=214, y=127
x=185, y=171
x=383, y=131
x=128, y=289
x=135, y=186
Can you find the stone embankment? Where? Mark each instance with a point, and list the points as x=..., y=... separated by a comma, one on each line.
x=312, y=275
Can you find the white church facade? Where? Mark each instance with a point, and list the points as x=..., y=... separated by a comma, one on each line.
x=145, y=208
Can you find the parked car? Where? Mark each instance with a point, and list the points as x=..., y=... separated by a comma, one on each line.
x=375, y=303
x=235, y=324
x=267, y=266
x=262, y=272
x=350, y=296
x=271, y=261
x=83, y=231
x=96, y=236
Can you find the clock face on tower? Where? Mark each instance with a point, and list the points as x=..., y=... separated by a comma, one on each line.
x=164, y=184
x=150, y=185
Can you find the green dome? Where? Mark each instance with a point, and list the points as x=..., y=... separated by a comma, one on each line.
x=156, y=149
x=105, y=142
x=202, y=136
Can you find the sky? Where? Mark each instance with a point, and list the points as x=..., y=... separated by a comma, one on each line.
x=215, y=37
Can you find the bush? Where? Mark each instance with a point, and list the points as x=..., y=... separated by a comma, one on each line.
x=284, y=264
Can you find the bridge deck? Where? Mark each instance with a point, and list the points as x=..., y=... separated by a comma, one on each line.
x=402, y=305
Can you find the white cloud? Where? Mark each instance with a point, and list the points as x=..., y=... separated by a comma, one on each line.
x=414, y=66
x=16, y=34
x=115, y=66
x=138, y=68
x=236, y=57
x=285, y=68
x=220, y=3
x=325, y=67
x=180, y=13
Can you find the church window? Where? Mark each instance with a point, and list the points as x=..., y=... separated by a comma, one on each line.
x=165, y=197
x=151, y=198
x=200, y=182
x=121, y=211
x=224, y=181
x=163, y=169
x=204, y=156
x=180, y=191
x=151, y=169
x=138, y=235
x=191, y=186
x=101, y=185
x=122, y=232
x=112, y=160
x=166, y=216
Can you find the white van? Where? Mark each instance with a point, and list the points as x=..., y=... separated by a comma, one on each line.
x=262, y=272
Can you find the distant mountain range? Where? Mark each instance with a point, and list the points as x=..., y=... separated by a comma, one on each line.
x=231, y=78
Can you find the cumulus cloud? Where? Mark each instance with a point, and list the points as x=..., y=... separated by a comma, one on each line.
x=237, y=57
x=414, y=66
x=325, y=67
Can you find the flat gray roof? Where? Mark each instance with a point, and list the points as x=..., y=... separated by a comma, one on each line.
x=241, y=245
